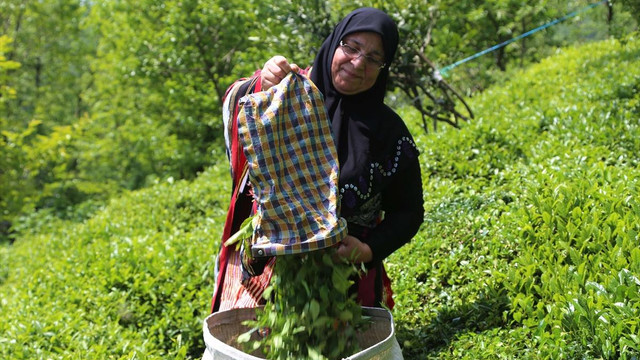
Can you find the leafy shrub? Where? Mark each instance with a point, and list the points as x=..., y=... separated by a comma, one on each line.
x=531, y=229
x=133, y=281
x=529, y=247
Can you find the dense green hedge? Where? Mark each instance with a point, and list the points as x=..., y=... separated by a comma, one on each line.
x=530, y=244
x=134, y=281
x=529, y=247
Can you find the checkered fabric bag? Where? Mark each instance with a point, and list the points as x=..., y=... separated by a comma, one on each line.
x=293, y=168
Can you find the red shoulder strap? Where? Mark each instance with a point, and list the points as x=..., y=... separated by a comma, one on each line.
x=238, y=160
x=240, y=167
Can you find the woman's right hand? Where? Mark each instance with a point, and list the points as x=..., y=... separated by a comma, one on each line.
x=274, y=70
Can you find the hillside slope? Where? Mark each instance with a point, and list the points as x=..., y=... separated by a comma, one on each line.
x=132, y=282
x=529, y=247
x=530, y=243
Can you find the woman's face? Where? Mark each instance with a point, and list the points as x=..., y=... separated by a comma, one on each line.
x=353, y=74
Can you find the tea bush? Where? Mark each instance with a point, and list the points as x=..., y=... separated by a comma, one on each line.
x=529, y=248
x=134, y=281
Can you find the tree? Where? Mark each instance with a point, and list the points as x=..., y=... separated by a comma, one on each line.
x=161, y=70
x=117, y=94
x=632, y=5
x=53, y=46
x=11, y=155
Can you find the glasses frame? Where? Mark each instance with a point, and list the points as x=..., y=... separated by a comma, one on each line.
x=355, y=53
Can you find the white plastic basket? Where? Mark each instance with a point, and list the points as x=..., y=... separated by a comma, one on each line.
x=222, y=329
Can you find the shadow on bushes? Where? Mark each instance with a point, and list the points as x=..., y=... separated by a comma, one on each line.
x=6, y=233
x=484, y=314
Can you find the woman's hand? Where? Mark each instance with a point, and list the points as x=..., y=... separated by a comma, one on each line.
x=274, y=70
x=351, y=248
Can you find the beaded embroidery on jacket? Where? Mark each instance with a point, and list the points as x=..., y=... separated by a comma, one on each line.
x=368, y=191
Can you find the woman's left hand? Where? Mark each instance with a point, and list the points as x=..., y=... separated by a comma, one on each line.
x=351, y=248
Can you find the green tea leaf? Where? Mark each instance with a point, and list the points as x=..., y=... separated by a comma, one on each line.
x=314, y=308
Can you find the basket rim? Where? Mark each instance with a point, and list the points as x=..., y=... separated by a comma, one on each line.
x=214, y=344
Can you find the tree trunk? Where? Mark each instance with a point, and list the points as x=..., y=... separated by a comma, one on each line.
x=38, y=68
x=523, y=48
x=500, y=59
x=610, y=17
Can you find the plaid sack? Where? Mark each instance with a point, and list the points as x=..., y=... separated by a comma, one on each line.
x=293, y=169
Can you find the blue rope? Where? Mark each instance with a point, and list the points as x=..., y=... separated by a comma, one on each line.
x=445, y=69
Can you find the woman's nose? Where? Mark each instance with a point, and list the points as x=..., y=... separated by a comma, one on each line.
x=359, y=61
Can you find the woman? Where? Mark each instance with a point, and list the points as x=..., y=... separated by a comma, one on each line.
x=380, y=183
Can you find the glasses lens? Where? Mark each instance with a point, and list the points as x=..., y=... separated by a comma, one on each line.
x=374, y=62
x=352, y=52
x=349, y=50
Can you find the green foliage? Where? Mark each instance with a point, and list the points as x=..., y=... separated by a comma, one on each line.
x=529, y=244
x=482, y=25
x=160, y=74
x=16, y=181
x=53, y=45
x=134, y=281
x=6, y=92
x=11, y=155
x=528, y=249
x=295, y=29
x=41, y=117
x=632, y=5
x=309, y=312
x=45, y=172
x=128, y=93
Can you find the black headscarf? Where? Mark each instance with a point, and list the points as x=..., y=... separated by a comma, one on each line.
x=361, y=123
x=360, y=20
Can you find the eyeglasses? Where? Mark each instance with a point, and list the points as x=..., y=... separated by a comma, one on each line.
x=354, y=53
